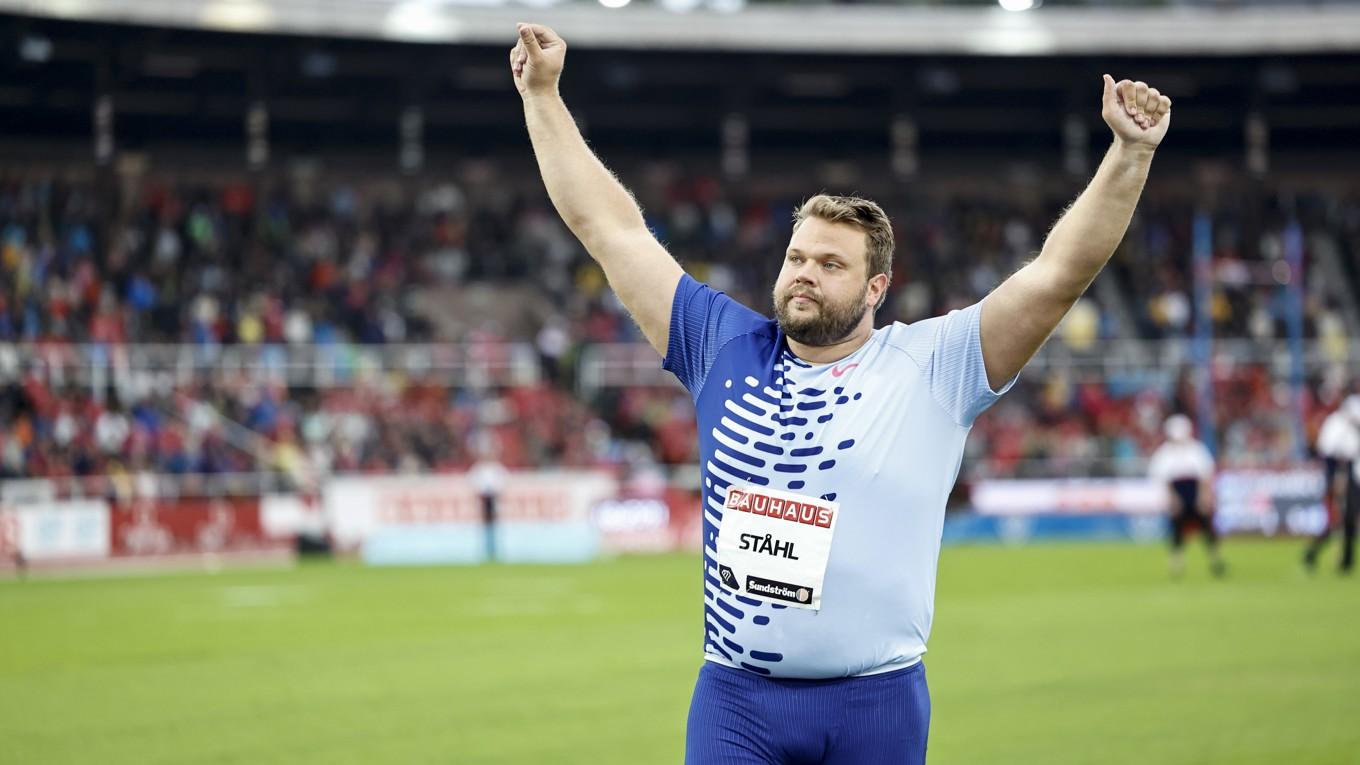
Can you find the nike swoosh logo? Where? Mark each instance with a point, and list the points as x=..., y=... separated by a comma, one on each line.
x=838, y=371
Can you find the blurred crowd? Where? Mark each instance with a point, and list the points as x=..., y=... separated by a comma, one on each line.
x=1063, y=422
x=295, y=264
x=1249, y=238
x=238, y=425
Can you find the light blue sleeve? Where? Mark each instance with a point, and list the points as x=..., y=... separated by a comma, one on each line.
x=702, y=321
x=958, y=375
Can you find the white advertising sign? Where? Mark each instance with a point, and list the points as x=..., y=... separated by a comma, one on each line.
x=57, y=530
x=1071, y=496
x=358, y=506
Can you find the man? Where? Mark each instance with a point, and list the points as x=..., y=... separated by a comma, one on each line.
x=1186, y=467
x=1338, y=443
x=814, y=426
x=488, y=477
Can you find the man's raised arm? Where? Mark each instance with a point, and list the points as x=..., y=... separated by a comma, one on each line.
x=1021, y=313
x=592, y=202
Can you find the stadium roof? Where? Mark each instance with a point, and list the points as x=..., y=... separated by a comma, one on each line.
x=335, y=94
x=794, y=28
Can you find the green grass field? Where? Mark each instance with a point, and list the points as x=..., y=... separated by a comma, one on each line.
x=1058, y=654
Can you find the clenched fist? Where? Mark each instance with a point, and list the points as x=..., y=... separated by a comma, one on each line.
x=1136, y=113
x=536, y=60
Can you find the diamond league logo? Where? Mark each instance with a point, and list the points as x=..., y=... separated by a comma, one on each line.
x=728, y=577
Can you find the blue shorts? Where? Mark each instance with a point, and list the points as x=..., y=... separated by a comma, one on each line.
x=741, y=717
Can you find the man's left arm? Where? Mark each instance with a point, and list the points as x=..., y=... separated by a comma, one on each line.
x=1020, y=314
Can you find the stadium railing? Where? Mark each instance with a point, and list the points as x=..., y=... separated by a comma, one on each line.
x=607, y=365
x=475, y=365
x=126, y=486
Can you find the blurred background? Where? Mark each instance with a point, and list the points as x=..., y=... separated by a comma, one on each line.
x=279, y=280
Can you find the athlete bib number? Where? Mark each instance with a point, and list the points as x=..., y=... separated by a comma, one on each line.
x=773, y=545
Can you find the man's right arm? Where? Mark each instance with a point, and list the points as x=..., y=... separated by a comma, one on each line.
x=592, y=202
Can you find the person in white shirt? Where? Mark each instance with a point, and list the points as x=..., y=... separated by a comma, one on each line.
x=1338, y=444
x=488, y=477
x=1187, y=468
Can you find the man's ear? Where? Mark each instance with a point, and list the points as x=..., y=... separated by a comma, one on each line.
x=878, y=285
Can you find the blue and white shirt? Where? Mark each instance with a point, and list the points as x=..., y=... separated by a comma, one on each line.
x=881, y=432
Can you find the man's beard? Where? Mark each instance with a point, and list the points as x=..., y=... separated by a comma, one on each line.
x=831, y=324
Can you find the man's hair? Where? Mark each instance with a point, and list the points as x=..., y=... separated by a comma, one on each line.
x=864, y=214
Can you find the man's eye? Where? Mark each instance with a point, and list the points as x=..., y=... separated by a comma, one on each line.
x=831, y=265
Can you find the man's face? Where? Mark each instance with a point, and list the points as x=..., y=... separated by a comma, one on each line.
x=823, y=290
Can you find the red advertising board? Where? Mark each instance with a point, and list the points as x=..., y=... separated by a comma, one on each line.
x=198, y=525
x=686, y=518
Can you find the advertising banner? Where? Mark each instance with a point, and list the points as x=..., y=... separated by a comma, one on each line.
x=664, y=519
x=1069, y=496
x=285, y=516
x=196, y=525
x=1261, y=502
x=356, y=507
x=972, y=528
x=541, y=516
x=70, y=530
x=686, y=518
x=1266, y=502
x=637, y=525
x=1270, y=503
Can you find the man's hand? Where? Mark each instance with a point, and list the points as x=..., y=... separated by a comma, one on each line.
x=1137, y=114
x=537, y=59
